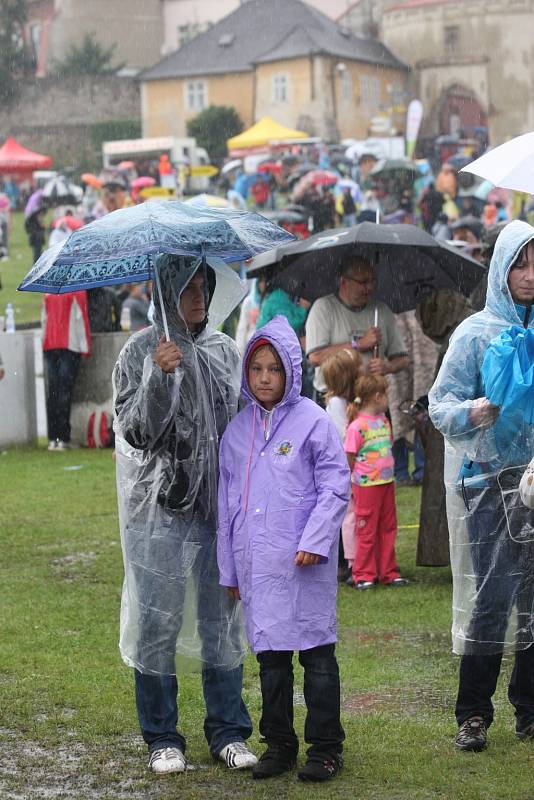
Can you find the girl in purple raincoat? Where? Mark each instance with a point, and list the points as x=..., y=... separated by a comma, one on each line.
x=283, y=492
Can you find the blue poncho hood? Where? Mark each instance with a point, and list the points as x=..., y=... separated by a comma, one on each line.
x=499, y=302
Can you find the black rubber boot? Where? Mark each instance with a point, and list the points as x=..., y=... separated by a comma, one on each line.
x=276, y=760
x=320, y=768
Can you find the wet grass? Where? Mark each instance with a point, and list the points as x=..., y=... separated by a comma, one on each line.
x=27, y=305
x=67, y=718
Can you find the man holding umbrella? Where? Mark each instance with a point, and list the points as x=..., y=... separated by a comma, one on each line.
x=173, y=400
x=347, y=319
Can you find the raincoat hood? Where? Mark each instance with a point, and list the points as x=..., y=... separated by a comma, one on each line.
x=283, y=338
x=224, y=291
x=509, y=243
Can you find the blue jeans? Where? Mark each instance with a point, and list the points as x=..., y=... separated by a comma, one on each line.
x=401, y=456
x=503, y=571
x=227, y=719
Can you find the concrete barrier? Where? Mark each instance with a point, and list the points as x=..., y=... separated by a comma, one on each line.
x=18, y=413
x=92, y=402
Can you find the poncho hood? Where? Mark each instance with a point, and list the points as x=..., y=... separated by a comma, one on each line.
x=279, y=333
x=509, y=243
x=223, y=287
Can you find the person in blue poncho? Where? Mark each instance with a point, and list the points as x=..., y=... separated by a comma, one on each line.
x=491, y=532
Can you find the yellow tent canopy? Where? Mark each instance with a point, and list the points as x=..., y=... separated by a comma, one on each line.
x=264, y=132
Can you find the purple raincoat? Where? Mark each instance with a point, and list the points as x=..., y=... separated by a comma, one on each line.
x=278, y=495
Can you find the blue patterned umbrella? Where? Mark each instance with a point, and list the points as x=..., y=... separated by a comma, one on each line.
x=121, y=247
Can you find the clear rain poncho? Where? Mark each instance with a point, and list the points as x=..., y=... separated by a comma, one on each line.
x=167, y=429
x=491, y=531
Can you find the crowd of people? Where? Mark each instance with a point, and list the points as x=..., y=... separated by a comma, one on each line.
x=290, y=478
x=261, y=507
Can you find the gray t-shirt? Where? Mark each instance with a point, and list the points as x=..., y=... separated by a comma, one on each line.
x=330, y=322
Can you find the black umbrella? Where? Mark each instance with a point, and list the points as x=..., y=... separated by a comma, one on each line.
x=410, y=264
x=59, y=191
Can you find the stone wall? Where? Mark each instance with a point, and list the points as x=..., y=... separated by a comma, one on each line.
x=55, y=116
x=490, y=54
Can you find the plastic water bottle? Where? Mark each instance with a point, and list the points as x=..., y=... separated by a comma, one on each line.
x=126, y=319
x=10, y=318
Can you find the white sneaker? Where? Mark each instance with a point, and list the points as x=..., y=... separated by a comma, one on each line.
x=168, y=759
x=52, y=445
x=236, y=755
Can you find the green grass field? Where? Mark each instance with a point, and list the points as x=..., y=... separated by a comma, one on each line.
x=27, y=305
x=67, y=717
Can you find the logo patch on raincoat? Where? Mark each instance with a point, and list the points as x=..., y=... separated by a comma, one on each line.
x=284, y=449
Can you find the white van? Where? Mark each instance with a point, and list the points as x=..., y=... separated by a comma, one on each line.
x=181, y=152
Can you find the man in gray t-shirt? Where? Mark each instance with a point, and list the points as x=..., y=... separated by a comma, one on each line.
x=350, y=319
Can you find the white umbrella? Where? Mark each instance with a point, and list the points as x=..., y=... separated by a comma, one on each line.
x=230, y=165
x=511, y=165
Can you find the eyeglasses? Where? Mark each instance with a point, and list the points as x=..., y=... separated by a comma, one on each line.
x=366, y=282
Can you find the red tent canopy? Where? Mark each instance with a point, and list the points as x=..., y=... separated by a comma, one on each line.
x=16, y=158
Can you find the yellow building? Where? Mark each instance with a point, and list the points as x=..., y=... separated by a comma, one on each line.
x=282, y=59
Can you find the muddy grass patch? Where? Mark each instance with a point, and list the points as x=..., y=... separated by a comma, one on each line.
x=73, y=566
x=427, y=643
x=33, y=771
x=417, y=701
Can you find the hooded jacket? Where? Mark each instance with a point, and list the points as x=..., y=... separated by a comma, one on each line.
x=459, y=381
x=278, y=495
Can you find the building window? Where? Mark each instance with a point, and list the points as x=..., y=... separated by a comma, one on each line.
x=35, y=38
x=364, y=91
x=452, y=38
x=345, y=85
x=280, y=88
x=196, y=95
x=370, y=92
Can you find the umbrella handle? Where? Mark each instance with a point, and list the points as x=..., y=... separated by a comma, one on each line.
x=160, y=295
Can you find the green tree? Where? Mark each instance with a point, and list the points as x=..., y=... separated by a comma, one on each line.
x=14, y=56
x=212, y=127
x=88, y=58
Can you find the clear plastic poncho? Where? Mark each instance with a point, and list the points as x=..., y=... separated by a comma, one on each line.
x=491, y=530
x=167, y=428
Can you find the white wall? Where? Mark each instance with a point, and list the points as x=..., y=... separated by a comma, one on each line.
x=18, y=414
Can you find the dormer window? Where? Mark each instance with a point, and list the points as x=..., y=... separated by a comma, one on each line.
x=226, y=39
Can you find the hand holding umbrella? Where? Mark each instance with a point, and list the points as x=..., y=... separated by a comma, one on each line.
x=377, y=365
x=168, y=355
x=376, y=349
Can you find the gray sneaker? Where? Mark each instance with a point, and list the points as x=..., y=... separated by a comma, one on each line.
x=167, y=759
x=236, y=755
x=472, y=735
